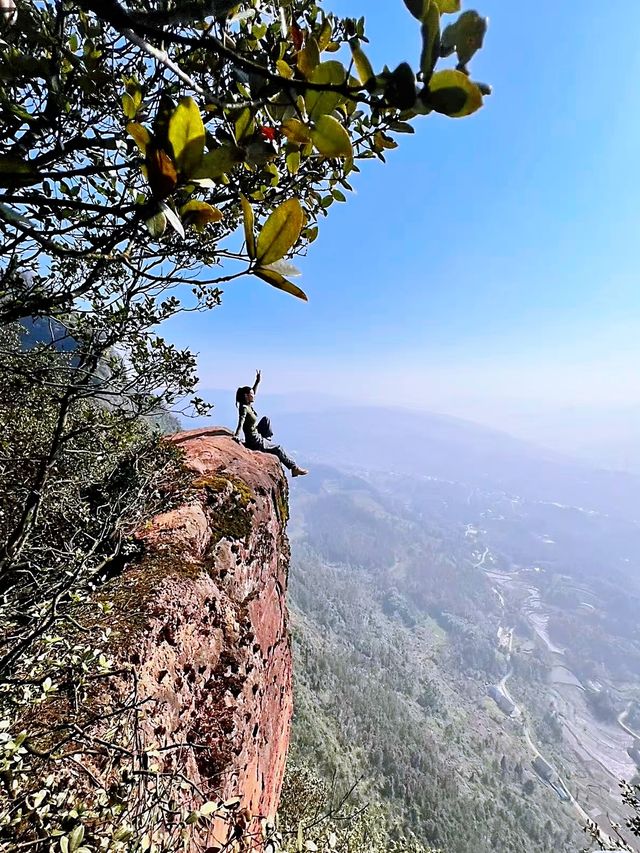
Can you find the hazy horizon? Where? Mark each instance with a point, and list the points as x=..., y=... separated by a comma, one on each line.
x=597, y=437
x=488, y=270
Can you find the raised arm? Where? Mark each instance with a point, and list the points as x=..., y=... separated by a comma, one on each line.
x=257, y=382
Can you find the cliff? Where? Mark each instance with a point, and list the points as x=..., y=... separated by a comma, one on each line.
x=200, y=633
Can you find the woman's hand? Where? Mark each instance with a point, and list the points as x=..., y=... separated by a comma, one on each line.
x=257, y=382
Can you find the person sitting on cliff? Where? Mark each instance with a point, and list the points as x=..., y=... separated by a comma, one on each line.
x=258, y=433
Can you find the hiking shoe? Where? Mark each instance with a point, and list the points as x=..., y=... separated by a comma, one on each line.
x=298, y=472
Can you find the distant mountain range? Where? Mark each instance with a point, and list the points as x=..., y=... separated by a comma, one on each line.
x=434, y=445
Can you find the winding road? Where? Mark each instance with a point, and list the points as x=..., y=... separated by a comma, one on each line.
x=521, y=717
x=621, y=722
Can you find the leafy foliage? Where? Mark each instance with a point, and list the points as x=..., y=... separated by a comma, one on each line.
x=631, y=799
x=127, y=128
x=80, y=471
x=313, y=817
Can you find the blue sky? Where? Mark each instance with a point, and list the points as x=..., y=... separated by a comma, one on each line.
x=490, y=268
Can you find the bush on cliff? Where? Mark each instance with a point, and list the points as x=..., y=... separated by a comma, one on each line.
x=314, y=817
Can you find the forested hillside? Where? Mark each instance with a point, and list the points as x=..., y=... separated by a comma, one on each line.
x=395, y=644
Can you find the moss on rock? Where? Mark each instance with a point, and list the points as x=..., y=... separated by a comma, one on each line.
x=228, y=500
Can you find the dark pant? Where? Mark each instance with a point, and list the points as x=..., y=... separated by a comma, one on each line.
x=264, y=428
x=257, y=442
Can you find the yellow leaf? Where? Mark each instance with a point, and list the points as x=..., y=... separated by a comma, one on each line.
x=283, y=69
x=128, y=106
x=330, y=138
x=325, y=35
x=295, y=131
x=453, y=94
x=132, y=87
x=140, y=134
x=330, y=73
x=308, y=57
x=276, y=280
x=199, y=213
x=249, y=236
x=447, y=7
x=363, y=66
x=280, y=232
x=186, y=135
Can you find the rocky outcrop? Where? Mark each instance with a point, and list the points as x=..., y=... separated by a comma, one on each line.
x=202, y=620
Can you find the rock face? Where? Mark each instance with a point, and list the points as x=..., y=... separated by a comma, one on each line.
x=203, y=621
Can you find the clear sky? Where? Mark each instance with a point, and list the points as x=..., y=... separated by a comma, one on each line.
x=490, y=269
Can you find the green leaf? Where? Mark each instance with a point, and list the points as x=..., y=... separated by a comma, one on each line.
x=132, y=88
x=280, y=232
x=448, y=7
x=401, y=127
x=244, y=126
x=308, y=58
x=452, y=93
x=276, y=280
x=331, y=73
x=311, y=234
x=293, y=162
x=363, y=66
x=10, y=165
x=330, y=138
x=166, y=108
x=218, y=162
x=75, y=837
x=430, y=41
x=199, y=213
x=248, y=219
x=186, y=135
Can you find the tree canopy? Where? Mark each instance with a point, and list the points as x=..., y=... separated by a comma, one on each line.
x=140, y=136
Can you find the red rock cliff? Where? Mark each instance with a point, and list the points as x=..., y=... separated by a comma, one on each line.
x=203, y=621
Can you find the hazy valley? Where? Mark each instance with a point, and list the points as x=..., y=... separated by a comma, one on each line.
x=467, y=645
